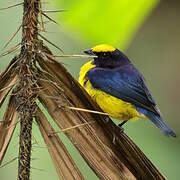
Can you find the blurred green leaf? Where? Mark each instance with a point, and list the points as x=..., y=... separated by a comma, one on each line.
x=106, y=21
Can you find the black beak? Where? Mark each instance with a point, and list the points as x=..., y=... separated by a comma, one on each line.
x=89, y=52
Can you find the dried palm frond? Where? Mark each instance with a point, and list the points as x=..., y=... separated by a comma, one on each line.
x=8, y=78
x=64, y=164
x=84, y=138
x=7, y=127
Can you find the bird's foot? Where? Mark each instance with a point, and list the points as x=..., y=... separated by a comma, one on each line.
x=120, y=126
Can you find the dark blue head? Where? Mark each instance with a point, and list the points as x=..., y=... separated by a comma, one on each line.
x=107, y=56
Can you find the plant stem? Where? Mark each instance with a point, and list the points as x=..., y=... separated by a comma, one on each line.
x=26, y=94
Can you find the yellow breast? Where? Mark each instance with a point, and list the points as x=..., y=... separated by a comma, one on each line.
x=117, y=108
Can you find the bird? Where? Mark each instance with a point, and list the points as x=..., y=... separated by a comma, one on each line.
x=118, y=87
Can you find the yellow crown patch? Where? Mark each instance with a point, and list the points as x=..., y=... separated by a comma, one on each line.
x=103, y=48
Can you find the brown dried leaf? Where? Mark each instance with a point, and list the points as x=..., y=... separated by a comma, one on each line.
x=63, y=162
x=7, y=79
x=103, y=140
x=7, y=127
x=96, y=152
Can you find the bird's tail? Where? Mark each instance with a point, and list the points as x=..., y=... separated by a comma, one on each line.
x=158, y=121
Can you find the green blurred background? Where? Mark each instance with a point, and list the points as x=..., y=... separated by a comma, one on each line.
x=148, y=32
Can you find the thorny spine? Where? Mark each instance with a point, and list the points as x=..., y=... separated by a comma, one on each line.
x=25, y=90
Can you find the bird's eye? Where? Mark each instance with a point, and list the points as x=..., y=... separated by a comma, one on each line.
x=104, y=54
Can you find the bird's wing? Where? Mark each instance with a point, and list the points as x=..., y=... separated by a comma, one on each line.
x=126, y=84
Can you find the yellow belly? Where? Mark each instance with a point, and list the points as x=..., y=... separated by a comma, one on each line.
x=117, y=108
